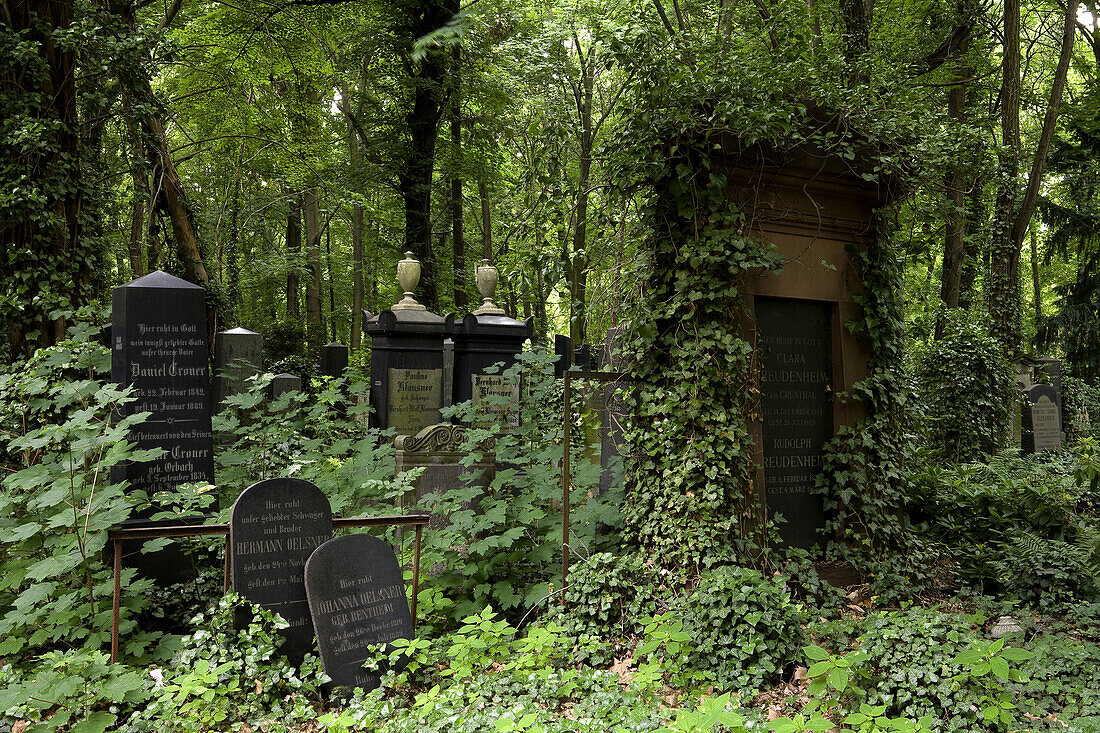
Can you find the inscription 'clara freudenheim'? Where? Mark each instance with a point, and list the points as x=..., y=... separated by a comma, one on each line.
x=794, y=347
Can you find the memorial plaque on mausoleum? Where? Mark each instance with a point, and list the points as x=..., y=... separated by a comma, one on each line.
x=415, y=398
x=357, y=597
x=160, y=348
x=794, y=344
x=273, y=528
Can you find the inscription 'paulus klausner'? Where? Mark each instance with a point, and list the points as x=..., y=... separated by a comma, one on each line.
x=357, y=598
x=273, y=528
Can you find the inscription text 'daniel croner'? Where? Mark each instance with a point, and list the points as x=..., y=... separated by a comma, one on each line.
x=357, y=598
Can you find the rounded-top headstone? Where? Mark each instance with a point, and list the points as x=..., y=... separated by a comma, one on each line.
x=273, y=527
x=357, y=598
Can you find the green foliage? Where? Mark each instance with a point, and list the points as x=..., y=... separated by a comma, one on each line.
x=1037, y=539
x=502, y=542
x=57, y=502
x=220, y=675
x=965, y=387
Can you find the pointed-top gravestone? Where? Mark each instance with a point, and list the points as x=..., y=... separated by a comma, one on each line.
x=159, y=346
x=273, y=527
x=357, y=598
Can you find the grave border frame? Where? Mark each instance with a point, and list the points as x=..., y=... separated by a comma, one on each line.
x=566, y=477
x=117, y=535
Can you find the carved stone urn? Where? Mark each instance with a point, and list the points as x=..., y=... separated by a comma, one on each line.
x=408, y=275
x=486, y=278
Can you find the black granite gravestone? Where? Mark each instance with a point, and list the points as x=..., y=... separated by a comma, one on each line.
x=406, y=369
x=283, y=383
x=482, y=341
x=237, y=357
x=563, y=349
x=273, y=527
x=794, y=343
x=160, y=348
x=1042, y=420
x=334, y=359
x=357, y=598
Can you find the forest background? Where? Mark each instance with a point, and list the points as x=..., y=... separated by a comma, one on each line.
x=286, y=154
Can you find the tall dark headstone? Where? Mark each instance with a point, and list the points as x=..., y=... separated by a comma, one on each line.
x=160, y=348
x=273, y=527
x=563, y=349
x=334, y=359
x=794, y=345
x=1042, y=419
x=406, y=371
x=237, y=358
x=357, y=598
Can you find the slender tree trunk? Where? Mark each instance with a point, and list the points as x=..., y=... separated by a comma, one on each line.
x=315, y=320
x=1013, y=221
x=486, y=222
x=954, y=253
x=331, y=281
x=1037, y=288
x=355, y=161
x=140, y=178
x=293, y=251
x=458, y=233
x=579, y=281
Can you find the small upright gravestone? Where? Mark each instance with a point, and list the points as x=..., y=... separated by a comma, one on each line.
x=237, y=357
x=273, y=528
x=160, y=348
x=1043, y=419
x=357, y=598
x=334, y=359
x=283, y=383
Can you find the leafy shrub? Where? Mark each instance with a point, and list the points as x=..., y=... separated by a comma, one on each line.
x=965, y=388
x=502, y=543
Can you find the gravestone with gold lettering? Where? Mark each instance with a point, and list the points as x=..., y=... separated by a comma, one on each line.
x=274, y=526
x=406, y=372
x=159, y=347
x=486, y=343
x=357, y=598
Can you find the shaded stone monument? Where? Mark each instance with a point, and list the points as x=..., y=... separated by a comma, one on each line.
x=818, y=211
x=282, y=383
x=438, y=450
x=1042, y=419
x=563, y=349
x=357, y=598
x=160, y=348
x=484, y=339
x=406, y=360
x=273, y=527
x=334, y=359
x=237, y=358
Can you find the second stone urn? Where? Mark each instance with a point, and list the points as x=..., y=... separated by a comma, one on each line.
x=408, y=275
x=486, y=279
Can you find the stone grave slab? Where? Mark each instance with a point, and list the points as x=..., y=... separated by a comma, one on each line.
x=237, y=357
x=160, y=348
x=795, y=346
x=273, y=527
x=357, y=598
x=1043, y=418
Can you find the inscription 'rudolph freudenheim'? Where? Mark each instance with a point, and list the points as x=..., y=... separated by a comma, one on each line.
x=794, y=346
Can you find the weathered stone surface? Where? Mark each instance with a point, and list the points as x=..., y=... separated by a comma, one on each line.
x=1042, y=419
x=274, y=526
x=238, y=355
x=357, y=598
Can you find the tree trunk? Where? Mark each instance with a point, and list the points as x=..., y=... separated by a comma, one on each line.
x=579, y=280
x=293, y=251
x=1037, y=288
x=458, y=225
x=1013, y=222
x=486, y=221
x=140, y=178
x=354, y=161
x=315, y=320
x=954, y=252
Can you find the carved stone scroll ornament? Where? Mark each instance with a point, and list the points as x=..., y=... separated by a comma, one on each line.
x=443, y=438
